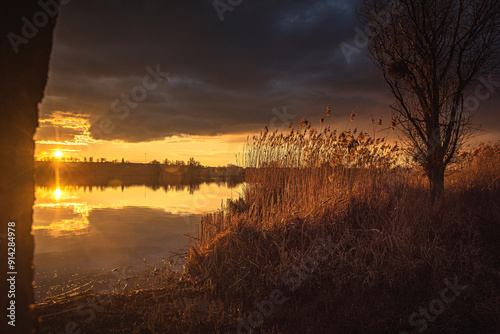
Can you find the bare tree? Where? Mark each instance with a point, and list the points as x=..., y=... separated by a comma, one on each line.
x=431, y=52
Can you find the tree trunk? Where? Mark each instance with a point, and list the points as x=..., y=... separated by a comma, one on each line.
x=436, y=182
x=24, y=57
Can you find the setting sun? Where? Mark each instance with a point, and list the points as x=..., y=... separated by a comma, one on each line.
x=58, y=154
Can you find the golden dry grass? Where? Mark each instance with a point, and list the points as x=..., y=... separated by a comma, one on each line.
x=393, y=247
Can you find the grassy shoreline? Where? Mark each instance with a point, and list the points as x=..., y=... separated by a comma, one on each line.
x=330, y=250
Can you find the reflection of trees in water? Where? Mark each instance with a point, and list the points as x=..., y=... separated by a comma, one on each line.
x=52, y=174
x=194, y=187
x=190, y=187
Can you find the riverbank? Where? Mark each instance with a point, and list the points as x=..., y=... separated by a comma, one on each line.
x=325, y=250
x=128, y=174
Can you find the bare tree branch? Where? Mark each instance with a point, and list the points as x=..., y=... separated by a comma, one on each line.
x=430, y=53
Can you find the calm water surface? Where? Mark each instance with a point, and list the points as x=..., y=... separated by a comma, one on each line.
x=84, y=233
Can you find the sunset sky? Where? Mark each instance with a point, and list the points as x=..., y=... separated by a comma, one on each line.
x=267, y=62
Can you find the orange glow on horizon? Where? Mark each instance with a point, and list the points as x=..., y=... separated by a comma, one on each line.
x=218, y=150
x=209, y=150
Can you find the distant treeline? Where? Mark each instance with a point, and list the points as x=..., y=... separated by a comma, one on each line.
x=127, y=174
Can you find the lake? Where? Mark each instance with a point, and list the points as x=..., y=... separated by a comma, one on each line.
x=83, y=233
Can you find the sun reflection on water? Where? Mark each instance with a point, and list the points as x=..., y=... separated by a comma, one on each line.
x=63, y=211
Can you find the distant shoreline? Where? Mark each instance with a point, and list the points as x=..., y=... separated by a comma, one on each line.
x=127, y=174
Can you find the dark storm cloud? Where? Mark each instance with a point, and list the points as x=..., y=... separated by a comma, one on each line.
x=224, y=77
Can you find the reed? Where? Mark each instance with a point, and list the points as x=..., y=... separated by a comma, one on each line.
x=393, y=248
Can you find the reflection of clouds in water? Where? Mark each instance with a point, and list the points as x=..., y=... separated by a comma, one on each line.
x=63, y=211
x=84, y=233
x=62, y=226
x=126, y=237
